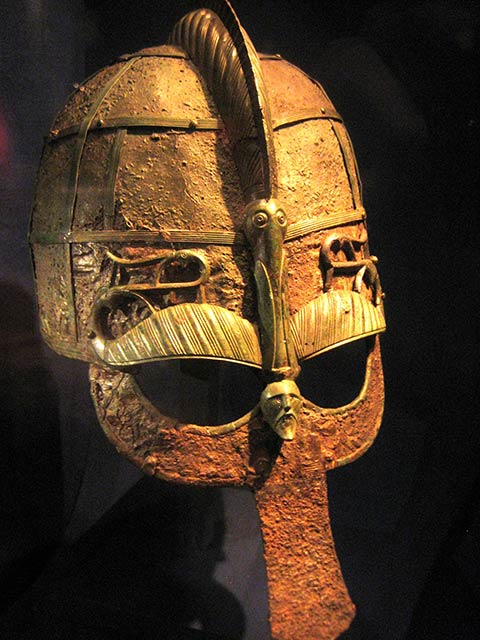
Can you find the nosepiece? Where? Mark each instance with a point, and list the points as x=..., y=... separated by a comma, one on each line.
x=281, y=403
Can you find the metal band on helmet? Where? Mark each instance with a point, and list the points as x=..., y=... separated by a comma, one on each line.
x=201, y=201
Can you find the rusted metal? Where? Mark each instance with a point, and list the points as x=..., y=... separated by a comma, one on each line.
x=199, y=201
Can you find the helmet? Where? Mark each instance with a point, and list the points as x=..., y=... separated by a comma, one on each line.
x=198, y=201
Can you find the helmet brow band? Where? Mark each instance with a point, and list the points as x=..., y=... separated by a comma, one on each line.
x=185, y=236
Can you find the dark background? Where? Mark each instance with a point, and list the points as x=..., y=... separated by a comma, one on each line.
x=91, y=549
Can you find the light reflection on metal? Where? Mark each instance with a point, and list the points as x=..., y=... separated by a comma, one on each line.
x=200, y=201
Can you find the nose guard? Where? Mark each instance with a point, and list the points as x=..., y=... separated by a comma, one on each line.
x=128, y=171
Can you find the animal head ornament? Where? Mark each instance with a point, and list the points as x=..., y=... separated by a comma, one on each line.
x=199, y=201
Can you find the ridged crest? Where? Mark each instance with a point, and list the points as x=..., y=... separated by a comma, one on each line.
x=218, y=45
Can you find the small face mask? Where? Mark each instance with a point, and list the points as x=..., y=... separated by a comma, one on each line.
x=281, y=404
x=198, y=201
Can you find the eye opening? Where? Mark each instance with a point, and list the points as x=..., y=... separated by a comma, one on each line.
x=335, y=378
x=200, y=391
x=281, y=217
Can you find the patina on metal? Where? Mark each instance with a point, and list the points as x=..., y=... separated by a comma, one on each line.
x=200, y=201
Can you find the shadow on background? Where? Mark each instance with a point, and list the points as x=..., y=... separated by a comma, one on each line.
x=144, y=570
x=31, y=501
x=405, y=516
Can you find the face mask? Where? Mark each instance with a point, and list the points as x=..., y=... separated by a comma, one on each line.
x=200, y=202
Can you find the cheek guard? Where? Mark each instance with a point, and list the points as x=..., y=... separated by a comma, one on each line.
x=200, y=201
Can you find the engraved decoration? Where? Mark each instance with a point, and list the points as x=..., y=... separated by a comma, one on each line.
x=201, y=201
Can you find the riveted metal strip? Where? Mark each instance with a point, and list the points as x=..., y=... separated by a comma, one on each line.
x=140, y=122
x=296, y=118
x=154, y=54
x=269, y=56
x=185, y=236
x=348, y=154
x=73, y=179
x=200, y=124
x=109, y=195
x=82, y=136
x=349, y=162
x=353, y=160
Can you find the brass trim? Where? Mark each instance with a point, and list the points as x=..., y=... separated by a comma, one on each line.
x=220, y=429
x=270, y=56
x=303, y=116
x=334, y=319
x=82, y=130
x=140, y=122
x=109, y=192
x=304, y=227
x=72, y=189
x=228, y=61
x=185, y=56
x=186, y=236
x=170, y=236
x=349, y=162
x=189, y=330
x=152, y=54
x=187, y=124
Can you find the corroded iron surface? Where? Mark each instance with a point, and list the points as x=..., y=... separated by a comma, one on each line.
x=240, y=452
x=195, y=202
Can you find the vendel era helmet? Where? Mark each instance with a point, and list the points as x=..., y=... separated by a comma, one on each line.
x=199, y=201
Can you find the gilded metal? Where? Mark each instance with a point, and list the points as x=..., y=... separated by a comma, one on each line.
x=143, y=122
x=265, y=228
x=221, y=49
x=281, y=404
x=173, y=270
x=175, y=236
x=201, y=201
x=363, y=268
x=202, y=124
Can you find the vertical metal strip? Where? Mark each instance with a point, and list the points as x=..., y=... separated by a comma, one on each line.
x=82, y=137
x=349, y=162
x=353, y=158
x=70, y=291
x=73, y=184
x=109, y=194
x=348, y=154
